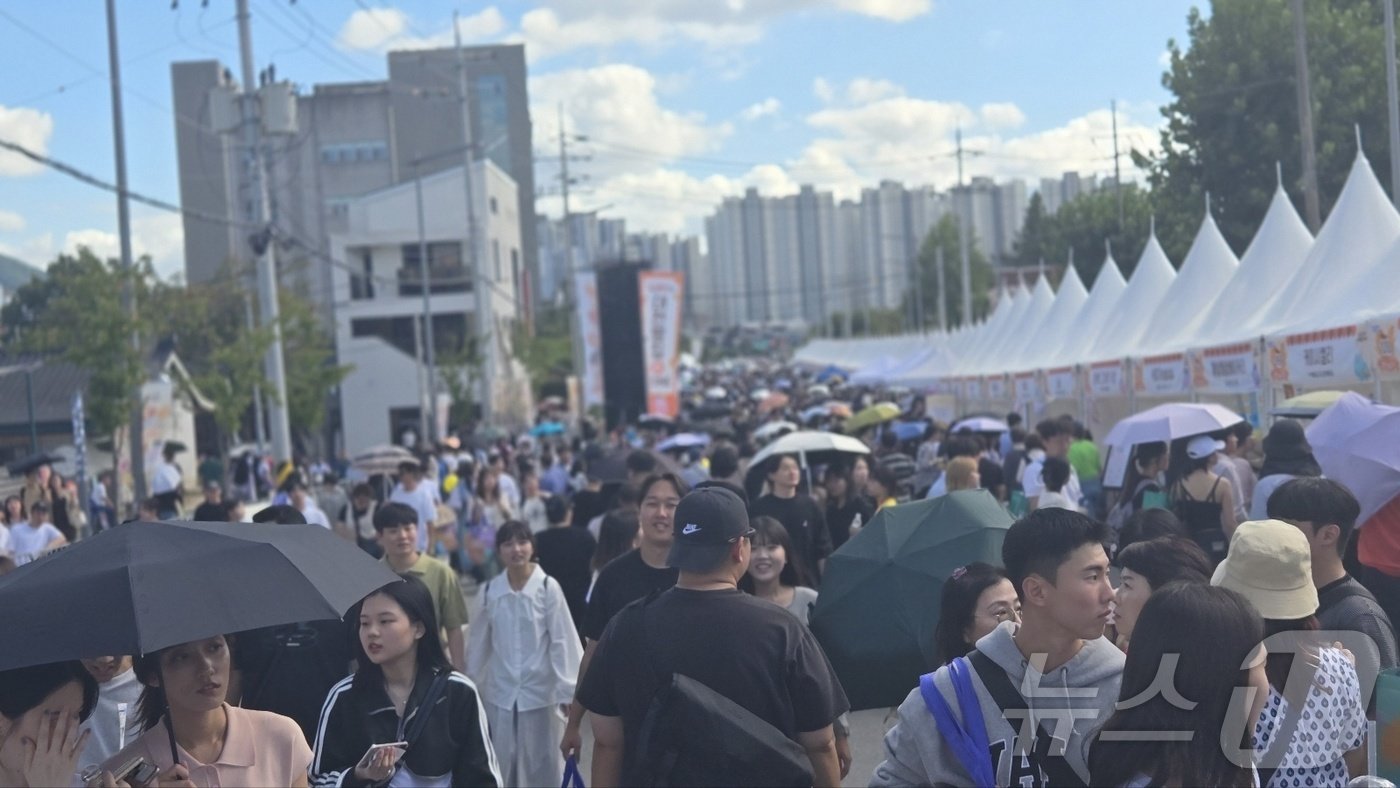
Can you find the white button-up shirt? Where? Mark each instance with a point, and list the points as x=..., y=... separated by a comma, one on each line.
x=524, y=651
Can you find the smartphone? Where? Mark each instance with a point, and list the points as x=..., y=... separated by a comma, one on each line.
x=138, y=771
x=399, y=747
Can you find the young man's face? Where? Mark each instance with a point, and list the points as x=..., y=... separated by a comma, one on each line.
x=656, y=512
x=787, y=475
x=400, y=541
x=1322, y=539
x=410, y=480
x=1058, y=446
x=1080, y=599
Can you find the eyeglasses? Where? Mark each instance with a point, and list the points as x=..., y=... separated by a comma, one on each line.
x=745, y=535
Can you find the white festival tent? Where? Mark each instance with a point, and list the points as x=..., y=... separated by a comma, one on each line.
x=1000, y=357
x=989, y=338
x=1278, y=249
x=1336, y=279
x=1150, y=281
x=1207, y=269
x=1098, y=309
x=1058, y=324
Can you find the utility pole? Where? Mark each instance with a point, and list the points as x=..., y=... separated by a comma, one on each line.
x=962, y=239
x=1392, y=102
x=1117, y=173
x=476, y=240
x=136, y=426
x=942, y=288
x=571, y=240
x=428, y=423
x=262, y=242
x=1311, y=210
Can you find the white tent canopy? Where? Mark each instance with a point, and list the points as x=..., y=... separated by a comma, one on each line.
x=1058, y=324
x=1273, y=257
x=1003, y=357
x=990, y=337
x=1103, y=299
x=1323, y=294
x=1149, y=284
x=1207, y=269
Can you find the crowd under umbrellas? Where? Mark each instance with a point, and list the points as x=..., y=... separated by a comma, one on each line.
x=901, y=544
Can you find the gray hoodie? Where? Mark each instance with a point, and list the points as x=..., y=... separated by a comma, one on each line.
x=917, y=754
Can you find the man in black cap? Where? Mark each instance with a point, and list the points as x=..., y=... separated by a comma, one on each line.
x=742, y=647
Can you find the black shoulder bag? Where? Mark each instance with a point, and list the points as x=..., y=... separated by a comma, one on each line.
x=1057, y=770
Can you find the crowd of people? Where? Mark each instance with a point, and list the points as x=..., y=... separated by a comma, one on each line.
x=662, y=598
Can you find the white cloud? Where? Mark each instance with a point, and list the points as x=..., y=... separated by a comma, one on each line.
x=616, y=106
x=889, y=10
x=546, y=34
x=823, y=90
x=763, y=109
x=11, y=222
x=28, y=127
x=383, y=29
x=1002, y=115
x=157, y=235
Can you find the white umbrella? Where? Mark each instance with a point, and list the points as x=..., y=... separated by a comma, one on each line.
x=819, y=391
x=759, y=395
x=773, y=429
x=716, y=392
x=382, y=459
x=685, y=440
x=980, y=424
x=810, y=446
x=1357, y=443
x=1163, y=423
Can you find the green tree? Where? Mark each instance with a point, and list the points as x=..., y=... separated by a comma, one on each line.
x=308, y=356
x=1234, y=113
x=1082, y=225
x=945, y=235
x=548, y=353
x=460, y=372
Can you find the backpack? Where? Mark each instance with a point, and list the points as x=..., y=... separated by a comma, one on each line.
x=688, y=726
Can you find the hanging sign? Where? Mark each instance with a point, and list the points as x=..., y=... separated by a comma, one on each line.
x=660, y=294
x=1226, y=369
x=1060, y=383
x=1107, y=379
x=1331, y=356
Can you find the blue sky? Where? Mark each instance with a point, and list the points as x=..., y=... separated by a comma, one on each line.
x=686, y=101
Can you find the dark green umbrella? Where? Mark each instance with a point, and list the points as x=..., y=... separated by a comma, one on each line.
x=880, y=593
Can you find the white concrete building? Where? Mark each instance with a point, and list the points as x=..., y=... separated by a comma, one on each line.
x=379, y=301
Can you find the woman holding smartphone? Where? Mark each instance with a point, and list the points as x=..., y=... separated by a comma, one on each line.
x=212, y=743
x=404, y=715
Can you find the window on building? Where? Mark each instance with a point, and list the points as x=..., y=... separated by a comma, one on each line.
x=352, y=152
x=496, y=257
x=397, y=331
x=446, y=271
x=450, y=333
x=494, y=207
x=362, y=277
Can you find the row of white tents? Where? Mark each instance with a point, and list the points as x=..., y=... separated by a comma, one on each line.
x=1293, y=312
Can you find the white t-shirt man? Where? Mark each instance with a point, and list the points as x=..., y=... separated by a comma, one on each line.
x=29, y=541
x=314, y=515
x=1034, y=485
x=165, y=479
x=107, y=739
x=421, y=501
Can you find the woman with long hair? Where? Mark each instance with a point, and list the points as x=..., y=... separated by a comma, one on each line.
x=191, y=732
x=974, y=601
x=404, y=717
x=492, y=507
x=524, y=653
x=616, y=537
x=772, y=574
x=1215, y=670
x=1203, y=499
x=1287, y=456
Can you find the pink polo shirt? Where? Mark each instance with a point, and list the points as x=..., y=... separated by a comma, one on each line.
x=260, y=749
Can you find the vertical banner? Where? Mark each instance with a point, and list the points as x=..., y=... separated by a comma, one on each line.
x=661, y=293
x=591, y=335
x=80, y=451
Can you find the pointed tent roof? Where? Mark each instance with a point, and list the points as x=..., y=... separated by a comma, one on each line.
x=1362, y=225
x=1058, y=322
x=1103, y=299
x=1151, y=279
x=1209, y=266
x=1279, y=247
x=1003, y=358
x=991, y=335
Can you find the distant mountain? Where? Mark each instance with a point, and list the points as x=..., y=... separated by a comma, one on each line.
x=15, y=273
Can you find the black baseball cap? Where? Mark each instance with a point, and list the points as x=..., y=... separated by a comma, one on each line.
x=707, y=521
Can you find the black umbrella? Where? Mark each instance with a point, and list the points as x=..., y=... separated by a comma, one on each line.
x=612, y=467
x=22, y=466
x=142, y=587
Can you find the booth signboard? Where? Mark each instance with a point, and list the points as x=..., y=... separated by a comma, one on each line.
x=1107, y=379
x=1225, y=369
x=972, y=389
x=1318, y=357
x=1161, y=376
x=1381, y=350
x=1027, y=388
x=996, y=387
x=1060, y=383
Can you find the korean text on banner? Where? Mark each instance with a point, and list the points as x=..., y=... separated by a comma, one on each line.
x=1331, y=356
x=1027, y=388
x=661, y=293
x=1059, y=383
x=996, y=387
x=1382, y=348
x=972, y=389
x=1226, y=369
x=591, y=334
x=1107, y=379
x=1161, y=375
